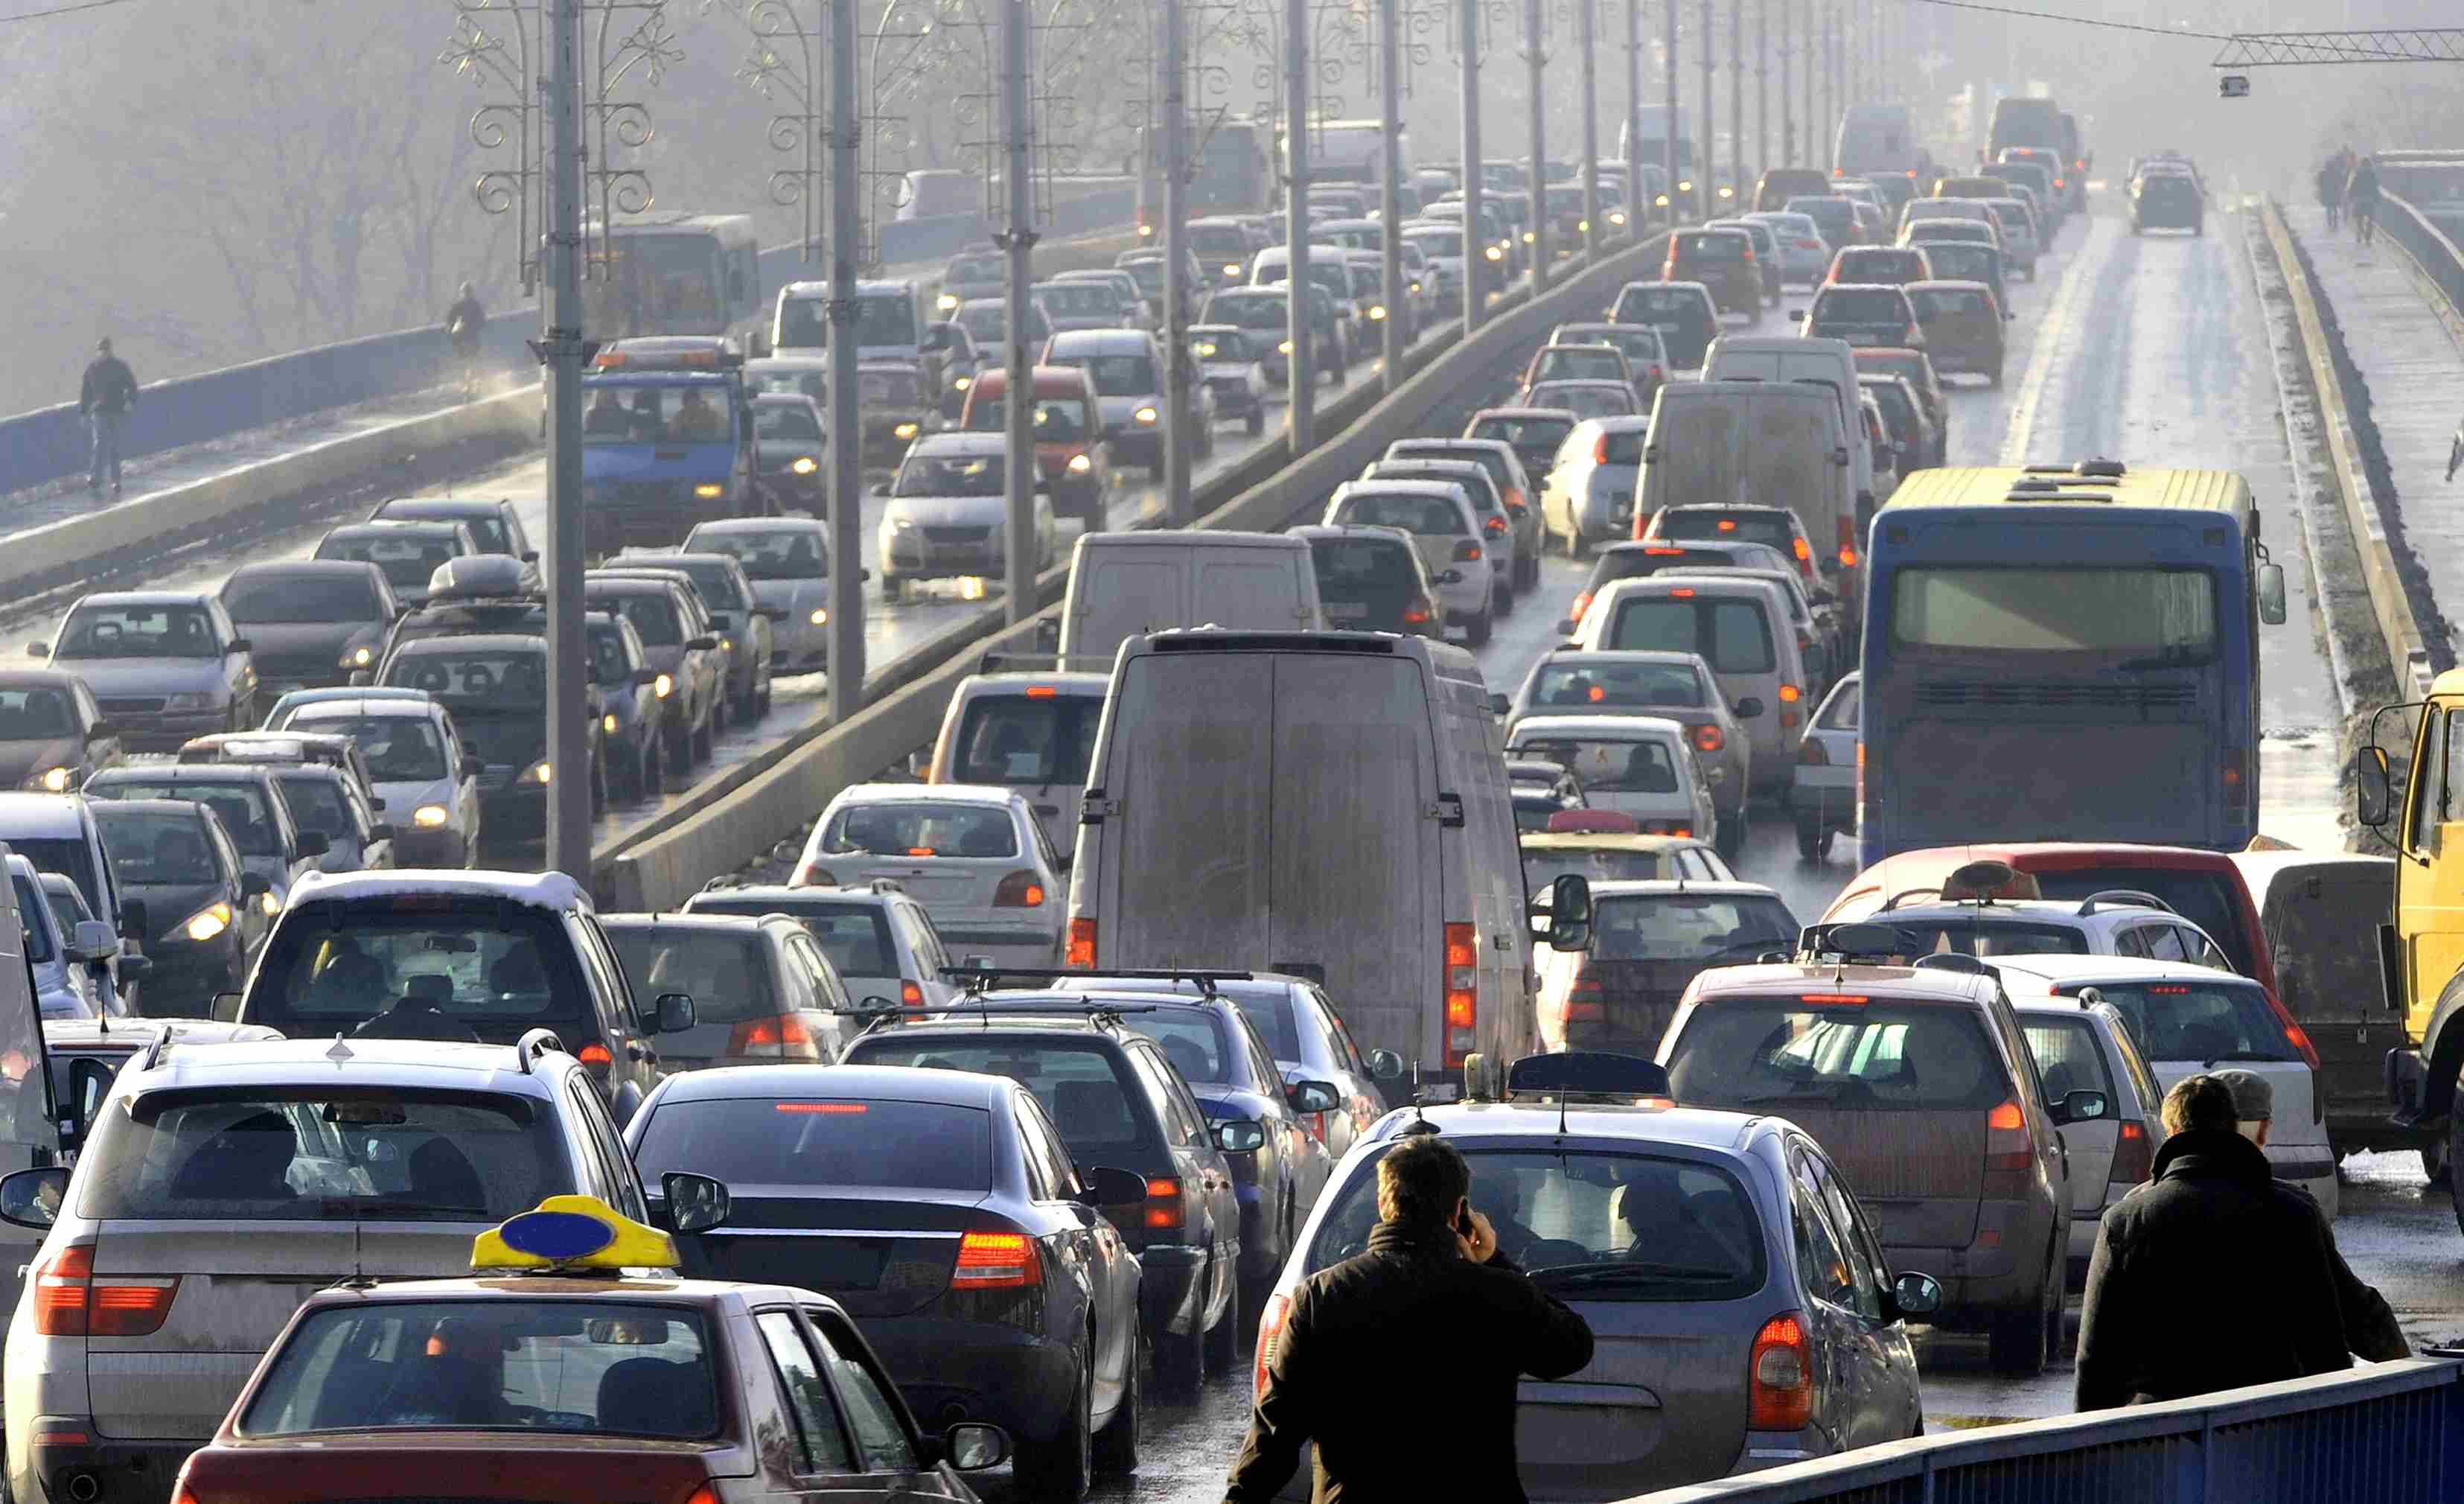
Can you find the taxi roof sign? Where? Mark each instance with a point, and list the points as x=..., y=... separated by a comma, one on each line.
x=569, y=1233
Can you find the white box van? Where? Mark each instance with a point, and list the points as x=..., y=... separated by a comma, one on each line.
x=1760, y=443
x=1796, y=358
x=1330, y=805
x=1122, y=585
x=1029, y=731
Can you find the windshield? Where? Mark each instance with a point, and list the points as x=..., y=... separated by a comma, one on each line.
x=986, y=324
x=787, y=421
x=319, y=1152
x=474, y=678
x=1027, y=738
x=1879, y=1056
x=244, y=810
x=1606, y=766
x=1586, y=401
x=653, y=615
x=976, y=268
x=1427, y=516
x=1733, y=636
x=1080, y=1086
x=654, y=282
x=1773, y=529
x=316, y=804
x=1861, y=306
x=726, y=974
x=921, y=830
x=611, y=1370
x=855, y=936
x=902, y=387
x=143, y=631
x=1612, y=683
x=2212, y=1022
x=1720, y=246
x=1220, y=345
x=1593, y=363
x=1080, y=299
x=668, y=414
x=1249, y=313
x=1591, y=1226
x=1117, y=375
x=399, y=748
x=1689, y=926
x=1654, y=306
x=35, y=715
x=807, y=382
x=1933, y=304
x=885, y=318
x=299, y=600
x=799, y=553
x=2165, y=615
x=951, y=476
x=1057, y=420
x=420, y=966
x=775, y=1145
x=1528, y=435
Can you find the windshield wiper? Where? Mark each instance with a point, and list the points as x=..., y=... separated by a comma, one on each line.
x=2252, y=1054
x=1640, y=1273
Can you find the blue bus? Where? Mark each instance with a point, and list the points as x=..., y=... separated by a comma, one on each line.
x=2063, y=653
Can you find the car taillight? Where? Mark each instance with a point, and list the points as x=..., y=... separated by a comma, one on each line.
x=1162, y=1211
x=1809, y=754
x=1270, y=1330
x=910, y=995
x=813, y=877
x=1494, y=526
x=2236, y=787
x=2008, y=1154
x=2134, y=1154
x=2293, y=1033
x=1656, y=374
x=1462, y=990
x=784, y=1037
x=1583, y=996
x=1415, y=615
x=1779, y=1375
x=1467, y=551
x=706, y=1493
x=595, y=1055
x=997, y=1261
x=1082, y=945
x=1709, y=738
x=1021, y=890
x=68, y=1301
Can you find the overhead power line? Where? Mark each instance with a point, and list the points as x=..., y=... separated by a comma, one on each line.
x=2076, y=20
x=62, y=10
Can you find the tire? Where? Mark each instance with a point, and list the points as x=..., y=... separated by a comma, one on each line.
x=1730, y=838
x=1504, y=600
x=1223, y=1347
x=680, y=756
x=1116, y=1445
x=1813, y=839
x=2434, y=1163
x=704, y=741
x=762, y=698
x=1480, y=630
x=2019, y=1343
x=1059, y=1468
x=1177, y=1367
x=1255, y=423
x=722, y=712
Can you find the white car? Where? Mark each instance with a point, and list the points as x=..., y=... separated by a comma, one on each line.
x=2087, y=1047
x=948, y=512
x=1638, y=765
x=416, y=763
x=789, y=561
x=973, y=855
x=1439, y=517
x=1823, y=789
x=2188, y=1019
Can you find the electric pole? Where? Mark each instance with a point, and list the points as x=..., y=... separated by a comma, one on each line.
x=1536, y=61
x=845, y=428
x=1762, y=85
x=1668, y=132
x=1018, y=411
x=1297, y=175
x=1638, y=206
x=1707, y=151
x=565, y=352
x=1390, y=198
x=1805, y=63
x=1737, y=179
x=1591, y=10
x=1475, y=249
x=1179, y=435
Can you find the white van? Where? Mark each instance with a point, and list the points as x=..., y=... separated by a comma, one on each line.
x=1125, y=584
x=1824, y=363
x=1032, y=732
x=1331, y=806
x=59, y=834
x=1740, y=627
x=1761, y=442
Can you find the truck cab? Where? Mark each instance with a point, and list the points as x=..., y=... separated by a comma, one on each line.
x=664, y=451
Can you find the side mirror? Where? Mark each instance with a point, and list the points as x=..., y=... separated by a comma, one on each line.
x=135, y=922
x=34, y=1198
x=1567, y=924
x=1749, y=708
x=2271, y=594
x=2080, y=1107
x=2373, y=791
x=92, y=941
x=1498, y=703
x=38, y=650
x=920, y=761
x=973, y=1445
x=101, y=731
x=695, y=1203
x=1566, y=626
x=226, y=1007
x=1105, y=1186
x=1312, y=1096
x=1385, y=1065
x=701, y=644
x=472, y=767
x=2011, y=316
x=1915, y=1295
x=1237, y=1135
x=881, y=488
x=671, y=1014
x=311, y=844
x=1446, y=576
x=1839, y=456
x=530, y=556
x=253, y=885
x=864, y=576
x=240, y=645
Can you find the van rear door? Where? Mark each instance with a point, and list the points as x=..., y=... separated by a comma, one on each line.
x=1117, y=594
x=1256, y=588
x=1190, y=771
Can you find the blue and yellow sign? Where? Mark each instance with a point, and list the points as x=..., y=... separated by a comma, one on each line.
x=572, y=1232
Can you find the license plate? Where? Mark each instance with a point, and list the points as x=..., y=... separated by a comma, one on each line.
x=1346, y=613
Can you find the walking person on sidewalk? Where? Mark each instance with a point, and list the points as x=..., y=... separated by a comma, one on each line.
x=2332, y=173
x=105, y=398
x=2361, y=199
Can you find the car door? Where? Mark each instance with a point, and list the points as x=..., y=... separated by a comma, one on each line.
x=1826, y=1284
x=817, y=1454
x=877, y=1420
x=1091, y=1247
x=1890, y=1406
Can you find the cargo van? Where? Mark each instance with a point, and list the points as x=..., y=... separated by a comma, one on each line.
x=1027, y=731
x=1772, y=439
x=1122, y=585
x=1798, y=358
x=1325, y=805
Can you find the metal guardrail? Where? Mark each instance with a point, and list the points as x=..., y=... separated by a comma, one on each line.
x=2389, y=1433
x=2431, y=247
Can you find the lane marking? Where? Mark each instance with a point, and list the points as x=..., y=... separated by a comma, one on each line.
x=2052, y=340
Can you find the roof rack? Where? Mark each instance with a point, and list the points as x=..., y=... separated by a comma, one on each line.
x=1586, y=1073
x=533, y=1044
x=2122, y=898
x=983, y=979
x=1852, y=939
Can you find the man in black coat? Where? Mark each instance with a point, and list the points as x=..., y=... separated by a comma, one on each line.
x=104, y=398
x=2210, y=1275
x=1432, y=1321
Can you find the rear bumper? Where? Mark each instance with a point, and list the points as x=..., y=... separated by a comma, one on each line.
x=2002, y=1268
x=953, y=1371
x=124, y=1472
x=1172, y=1289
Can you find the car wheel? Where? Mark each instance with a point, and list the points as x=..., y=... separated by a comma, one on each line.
x=1256, y=421
x=2433, y=1163
x=1504, y=605
x=1813, y=838
x=1116, y=1445
x=1730, y=838
x=1059, y=1466
x=598, y=789
x=1177, y=1366
x=1479, y=629
x=1993, y=378
x=2018, y=1341
x=680, y=755
x=1223, y=1337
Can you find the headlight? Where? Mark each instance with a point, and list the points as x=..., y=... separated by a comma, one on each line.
x=708, y=491
x=803, y=465
x=204, y=700
x=947, y=302
x=821, y=616
x=1662, y=202
x=1582, y=227
x=1728, y=193
x=1415, y=287
x=540, y=773
x=1286, y=348
x=1144, y=414
x=1376, y=311
x=1529, y=237
x=270, y=904
x=962, y=382
x=902, y=523
x=431, y=816
x=1684, y=185
x=208, y=922
x=362, y=657
x=608, y=724
x=55, y=778
x=905, y=431
x=1203, y=349
x=1495, y=254
x=1079, y=464
x=1231, y=268
x=664, y=686
x=1616, y=216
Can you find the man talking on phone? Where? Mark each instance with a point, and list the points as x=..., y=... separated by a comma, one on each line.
x=1432, y=1319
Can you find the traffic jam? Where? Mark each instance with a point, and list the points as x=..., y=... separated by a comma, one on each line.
x=1016, y=1111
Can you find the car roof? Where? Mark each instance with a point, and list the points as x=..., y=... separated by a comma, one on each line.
x=51, y=678
x=152, y=597
x=2114, y=968
x=185, y=809
x=789, y=899
x=1692, y=1127
x=451, y=506
x=1669, y=887
x=1604, y=841
x=374, y=708
x=892, y=1083
x=1101, y=339
x=669, y=919
x=1601, y=728
x=463, y=642
x=1791, y=978
x=961, y=442
x=551, y=891
x=305, y=569
x=412, y=1063
x=185, y=773
x=1616, y=655
x=928, y=793
x=396, y=527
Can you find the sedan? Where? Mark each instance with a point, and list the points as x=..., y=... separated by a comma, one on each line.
x=52, y=736
x=792, y=434
x=311, y=622
x=1641, y=766
x=252, y=808
x=1234, y=370
x=1534, y=433
x=407, y=552
x=788, y=561
x=416, y=765
x=1650, y=939
x=762, y=991
x=973, y=856
x=1678, y=686
x=2088, y=1047
x=676, y=636
x=163, y=667
x=948, y=515
x=1962, y=327
x=1646, y=355
x=1584, y=399
x=1863, y=314
x=1802, y=251
x=205, y=914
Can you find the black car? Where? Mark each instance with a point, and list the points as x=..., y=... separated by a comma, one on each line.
x=1118, y=1103
x=942, y=1211
x=496, y=524
x=1686, y=319
x=409, y=553
x=676, y=636
x=495, y=686
x=1372, y=579
x=52, y=737
x=2168, y=201
x=203, y=913
x=742, y=624
x=795, y=450
x=309, y=622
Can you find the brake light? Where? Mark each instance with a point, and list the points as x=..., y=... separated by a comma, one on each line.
x=1462, y=991
x=1270, y=1330
x=1039, y=691
x=1804, y=551
x=1600, y=450
x=1779, y=1375
x=182, y=1493
x=2295, y=1033
x=997, y=1261
x=1709, y=738
x=1082, y=945
x=1582, y=604
x=2133, y=1154
x=2236, y=787
x=1665, y=553
x=1467, y=551
x=1020, y=890
x=1162, y=1205
x=1493, y=525
x=1787, y=695
x=784, y=1037
x=595, y=1055
x=1684, y=592
x=68, y=1302
x=1415, y=616
x=2008, y=1154
x=1835, y=999
x=910, y=995
x=1725, y=524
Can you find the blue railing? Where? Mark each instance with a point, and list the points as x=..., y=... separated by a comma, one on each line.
x=50, y=443
x=2390, y=1433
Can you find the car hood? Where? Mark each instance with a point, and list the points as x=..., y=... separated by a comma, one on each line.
x=108, y=676
x=1121, y=411
x=796, y=597
x=403, y=796
x=950, y=511
x=20, y=760
x=315, y=647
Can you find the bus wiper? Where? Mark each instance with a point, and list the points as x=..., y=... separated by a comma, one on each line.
x=1623, y=1272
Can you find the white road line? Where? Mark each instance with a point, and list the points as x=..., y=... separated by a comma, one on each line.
x=2052, y=341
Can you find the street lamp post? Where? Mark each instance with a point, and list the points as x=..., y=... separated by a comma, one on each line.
x=1535, y=57
x=1591, y=12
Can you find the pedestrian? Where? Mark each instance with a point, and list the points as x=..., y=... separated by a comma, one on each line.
x=464, y=318
x=2208, y=1276
x=2361, y=199
x=2370, y=1327
x=105, y=398
x=1430, y=1320
x=2331, y=190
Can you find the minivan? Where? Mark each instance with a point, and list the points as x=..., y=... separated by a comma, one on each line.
x=1125, y=584
x=1810, y=362
x=1740, y=627
x=1227, y=815
x=1773, y=438
x=1031, y=732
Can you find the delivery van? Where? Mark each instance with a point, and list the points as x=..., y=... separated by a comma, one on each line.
x=1774, y=442
x=1122, y=585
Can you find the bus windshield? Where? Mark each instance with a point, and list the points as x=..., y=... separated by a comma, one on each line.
x=2166, y=614
x=656, y=284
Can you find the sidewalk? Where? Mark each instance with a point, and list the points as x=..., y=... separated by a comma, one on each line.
x=2415, y=375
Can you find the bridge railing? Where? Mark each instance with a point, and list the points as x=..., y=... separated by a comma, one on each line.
x=2430, y=245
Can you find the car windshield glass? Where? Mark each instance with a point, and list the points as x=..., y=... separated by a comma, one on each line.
x=1860, y=305
x=1428, y=516
x=1600, y=364
x=1221, y=344
x=1270, y=1011
x=1117, y=375
x=421, y=966
x=1733, y=636
x=1879, y=1055
x=921, y=830
x=951, y=476
x=656, y=414
x=855, y=936
x=1057, y=420
x=142, y=631
x=1655, y=306
x=1773, y=529
x=1525, y=435
x=974, y=269
x=787, y=421
x=1607, y=766
x=151, y=847
x=35, y=715
x=1027, y=738
x=1613, y=683
x=1587, y=401
x=714, y=581
x=1087, y=1093
x=2167, y=615
x=473, y=678
x=1249, y=313
x=725, y=974
x=1612, y=1227
x=885, y=318
x=1689, y=926
x=398, y=748
x=876, y=1143
x=1350, y=564
x=611, y=1370
x=888, y=389
x=295, y=599
x=652, y=613
x=322, y=1152
x=2210, y=1021
x=1541, y=867
x=813, y=384
x=1932, y=302
x=1080, y=299
x=1193, y=1040
x=797, y=553
x=242, y=807
x=984, y=323
x=316, y=801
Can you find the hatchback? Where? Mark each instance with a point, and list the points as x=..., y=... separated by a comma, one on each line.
x=1877, y=266
x=1685, y=313
x=763, y=990
x=1439, y=517
x=494, y=685
x=973, y=856
x=202, y=909
x=1677, y=686
x=1863, y=314
x=1801, y=250
x=1633, y=560
x=2082, y=1046
x=787, y=560
x=1647, y=356
x=1618, y=857
x=416, y=765
x=1643, y=767
x=1588, y=499
x=1722, y=260
x=1584, y=399
x=1067, y=429
x=1236, y=365
x=1776, y=527
x=877, y=939
x=497, y=522
x=1373, y=579
x=1912, y=366
x=1822, y=787
x=1766, y=247
x=1579, y=361
x=1834, y=215
x=53, y=734
x=1649, y=938
x=308, y=621
x=1911, y=433
x=1971, y=262
x=1741, y=627
x=1962, y=327
x=682, y=648
x=743, y=623
x=1507, y=472
x=2019, y=239
x=947, y=513
x=1501, y=535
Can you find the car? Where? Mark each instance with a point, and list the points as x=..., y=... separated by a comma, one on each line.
x=1802, y=252
x=1588, y=498
x=53, y=734
x=1369, y=579
x=164, y=666
x=1975, y=230
x=1604, y=1196
x=1116, y=1101
x=787, y=560
x=416, y=763
x=1824, y=639
x=1919, y=1082
x=205, y=915
x=1579, y=361
x=1619, y=856
x=1971, y=914
x=1967, y=261
x=1553, y=777
x=1879, y=266
x=2320, y=913
x=1084, y=304
x=681, y=646
x=763, y=990
x=897, y=404
x=1633, y=559
x=1262, y=315
x=990, y=1291
x=1650, y=937
x=1022, y=729
x=2019, y=239
x=1438, y=515
x=875, y=935
x=309, y=622
x=947, y=513
x=791, y=431
x=1913, y=367
x=1128, y=368
x=1833, y=216
x=1500, y=529
x=1822, y=786
x=254, y=807
x=1919, y=210
x=407, y=552
x=2185, y=1019
x=1538, y=807
x=493, y=684
x=58, y=833
x=2087, y=1045
x=986, y=323
x=335, y=753
x=1722, y=260
x=1912, y=435
x=743, y=623
x=1685, y=313
x=1765, y=250
x=1513, y=482
x=1533, y=434
x=1585, y=399
x=335, y=803
x=496, y=524
x=593, y=1372
x=1778, y=528
x=1642, y=767
x=1863, y=313
x=407, y=1150
x=973, y=856
x=1675, y=686
x=1339, y=311
x=1066, y=431
x=2162, y=200
x=1645, y=354
x=1741, y=627
x=1237, y=366
x=64, y=948
x=791, y=375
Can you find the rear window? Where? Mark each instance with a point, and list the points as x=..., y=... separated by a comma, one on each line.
x=1524, y=435
x=1713, y=247
x=435, y=967
x=763, y=1142
x=1775, y=529
x=2068, y=1060
x=324, y=1152
x=1606, y=766
x=70, y=857
x=1733, y=636
x=856, y=936
x=287, y=599
x=243, y=808
x=921, y=830
x=1663, y=685
x=1619, y=447
x=2209, y=900
x=1087, y=1091
x=1689, y=926
x=1591, y=1226
x=1876, y=1056
x=1656, y=306
x=1271, y=1013
x=1195, y=1042
x=2212, y=1022
x=1938, y=302
x=727, y=975
x=1860, y=305
x=1427, y=516
x=1541, y=867
x=1027, y=738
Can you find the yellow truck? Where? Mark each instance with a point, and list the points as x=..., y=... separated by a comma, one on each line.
x=2421, y=953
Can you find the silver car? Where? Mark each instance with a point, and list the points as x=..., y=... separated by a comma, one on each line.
x=164, y=666
x=764, y=993
x=1585, y=397
x=947, y=513
x=2087, y=1047
x=789, y=561
x=1803, y=254
x=1588, y=496
x=973, y=855
x=880, y=941
x=416, y=765
x=1822, y=786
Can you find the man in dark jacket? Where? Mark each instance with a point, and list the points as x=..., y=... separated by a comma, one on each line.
x=2210, y=1277
x=1431, y=1320
x=105, y=399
